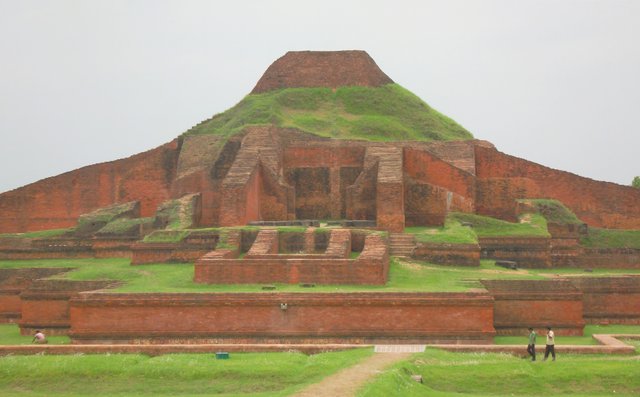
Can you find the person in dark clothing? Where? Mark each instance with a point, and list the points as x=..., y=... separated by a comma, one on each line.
x=551, y=344
x=531, y=347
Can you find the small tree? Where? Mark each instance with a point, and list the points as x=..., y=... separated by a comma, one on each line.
x=636, y=182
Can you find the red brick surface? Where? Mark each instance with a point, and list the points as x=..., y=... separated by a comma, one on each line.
x=448, y=254
x=600, y=204
x=57, y=202
x=321, y=318
x=520, y=304
x=610, y=300
x=322, y=69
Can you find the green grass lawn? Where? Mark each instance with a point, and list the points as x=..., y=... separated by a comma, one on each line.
x=530, y=225
x=243, y=374
x=407, y=276
x=484, y=374
x=10, y=335
x=586, y=339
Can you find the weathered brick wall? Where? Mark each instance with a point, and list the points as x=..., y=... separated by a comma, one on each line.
x=526, y=251
x=322, y=69
x=13, y=282
x=610, y=300
x=600, y=204
x=45, y=304
x=262, y=264
x=448, y=254
x=261, y=318
x=497, y=197
x=57, y=202
x=520, y=304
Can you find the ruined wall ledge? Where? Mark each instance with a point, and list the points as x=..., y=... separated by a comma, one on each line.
x=269, y=299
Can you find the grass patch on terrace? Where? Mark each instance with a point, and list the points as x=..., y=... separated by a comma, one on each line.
x=404, y=276
x=553, y=211
x=586, y=339
x=39, y=234
x=10, y=335
x=451, y=233
x=387, y=113
x=611, y=238
x=243, y=374
x=485, y=374
x=530, y=225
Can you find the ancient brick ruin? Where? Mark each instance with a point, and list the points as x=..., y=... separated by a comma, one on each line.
x=200, y=192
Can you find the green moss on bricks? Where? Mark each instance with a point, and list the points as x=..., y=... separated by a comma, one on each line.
x=386, y=113
x=166, y=236
x=124, y=226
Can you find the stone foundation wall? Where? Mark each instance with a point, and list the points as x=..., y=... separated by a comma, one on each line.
x=282, y=318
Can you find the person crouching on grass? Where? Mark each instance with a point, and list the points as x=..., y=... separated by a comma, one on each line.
x=39, y=338
x=550, y=345
x=531, y=347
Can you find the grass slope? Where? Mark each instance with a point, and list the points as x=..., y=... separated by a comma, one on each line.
x=243, y=374
x=477, y=374
x=387, y=113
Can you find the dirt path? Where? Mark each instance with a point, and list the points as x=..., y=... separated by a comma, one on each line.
x=345, y=383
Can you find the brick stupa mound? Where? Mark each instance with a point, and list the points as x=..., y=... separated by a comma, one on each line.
x=329, y=69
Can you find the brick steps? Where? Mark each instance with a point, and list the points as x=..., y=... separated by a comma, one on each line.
x=401, y=244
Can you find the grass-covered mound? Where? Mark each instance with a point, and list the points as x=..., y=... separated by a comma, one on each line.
x=387, y=113
x=481, y=374
x=243, y=374
x=553, y=211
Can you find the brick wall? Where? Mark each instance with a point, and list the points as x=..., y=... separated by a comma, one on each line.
x=526, y=251
x=600, y=204
x=610, y=300
x=45, y=304
x=262, y=318
x=448, y=254
x=57, y=202
x=520, y=304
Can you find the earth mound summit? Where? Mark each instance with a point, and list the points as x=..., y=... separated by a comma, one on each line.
x=330, y=69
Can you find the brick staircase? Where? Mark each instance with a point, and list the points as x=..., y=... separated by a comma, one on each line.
x=401, y=244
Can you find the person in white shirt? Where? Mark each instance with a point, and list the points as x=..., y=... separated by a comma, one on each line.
x=39, y=338
x=550, y=345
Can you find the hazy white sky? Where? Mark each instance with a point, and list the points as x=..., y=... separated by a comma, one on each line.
x=82, y=82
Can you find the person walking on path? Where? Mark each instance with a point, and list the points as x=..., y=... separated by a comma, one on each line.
x=531, y=347
x=550, y=345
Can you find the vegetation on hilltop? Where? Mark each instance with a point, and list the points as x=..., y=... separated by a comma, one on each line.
x=387, y=113
x=530, y=225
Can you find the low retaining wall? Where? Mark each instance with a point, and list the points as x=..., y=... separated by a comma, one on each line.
x=45, y=304
x=13, y=282
x=610, y=300
x=261, y=265
x=69, y=248
x=525, y=251
x=520, y=304
x=360, y=318
x=144, y=253
x=448, y=254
